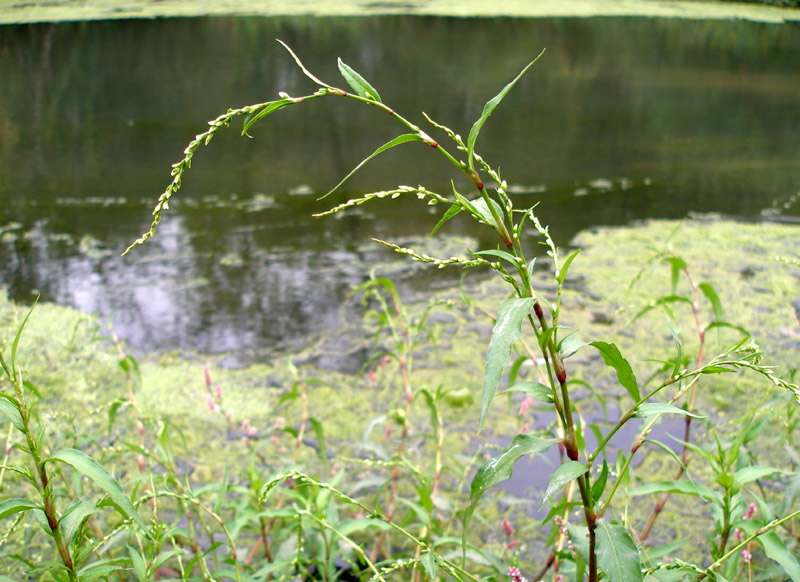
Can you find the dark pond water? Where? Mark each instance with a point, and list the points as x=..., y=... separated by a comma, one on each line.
x=622, y=119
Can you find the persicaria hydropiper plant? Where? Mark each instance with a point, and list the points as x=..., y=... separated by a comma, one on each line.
x=588, y=494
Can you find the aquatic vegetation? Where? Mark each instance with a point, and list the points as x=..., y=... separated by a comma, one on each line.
x=399, y=491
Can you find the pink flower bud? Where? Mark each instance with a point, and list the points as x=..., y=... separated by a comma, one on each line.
x=335, y=469
x=212, y=406
x=8, y=448
x=279, y=423
x=372, y=380
x=507, y=528
x=746, y=556
x=140, y=462
x=525, y=427
x=516, y=575
x=281, y=450
x=387, y=432
x=207, y=375
x=512, y=544
x=140, y=427
x=275, y=440
x=751, y=511
x=738, y=534
x=228, y=415
x=526, y=404
x=385, y=360
x=218, y=391
x=559, y=578
x=245, y=425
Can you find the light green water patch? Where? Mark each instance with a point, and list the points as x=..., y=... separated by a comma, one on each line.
x=18, y=11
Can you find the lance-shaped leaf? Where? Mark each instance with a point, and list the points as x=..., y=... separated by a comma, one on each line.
x=499, y=469
x=74, y=516
x=613, y=358
x=563, y=475
x=11, y=410
x=506, y=331
x=358, y=83
x=617, y=555
x=12, y=506
x=406, y=137
x=269, y=109
x=653, y=408
x=487, y=111
x=90, y=468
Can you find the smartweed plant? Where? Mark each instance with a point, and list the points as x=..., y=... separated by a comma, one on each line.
x=302, y=522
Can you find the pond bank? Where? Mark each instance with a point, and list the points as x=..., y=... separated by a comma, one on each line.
x=25, y=12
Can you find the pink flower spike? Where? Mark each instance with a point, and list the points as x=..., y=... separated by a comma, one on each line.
x=140, y=427
x=751, y=511
x=526, y=404
x=516, y=575
x=746, y=556
x=738, y=534
x=229, y=415
x=207, y=375
x=512, y=544
x=212, y=406
x=559, y=578
x=372, y=380
x=246, y=425
x=218, y=391
x=8, y=448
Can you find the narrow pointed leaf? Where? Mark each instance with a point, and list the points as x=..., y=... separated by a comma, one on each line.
x=677, y=265
x=10, y=409
x=429, y=563
x=651, y=409
x=71, y=522
x=499, y=469
x=506, y=331
x=562, y=273
x=18, y=335
x=451, y=212
x=600, y=483
x=713, y=298
x=487, y=111
x=617, y=555
x=12, y=506
x=614, y=359
x=90, y=468
x=749, y=474
x=500, y=255
x=358, y=83
x=535, y=390
x=682, y=487
x=138, y=564
x=269, y=109
x=563, y=475
x=406, y=137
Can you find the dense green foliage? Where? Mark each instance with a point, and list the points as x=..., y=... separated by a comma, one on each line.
x=306, y=492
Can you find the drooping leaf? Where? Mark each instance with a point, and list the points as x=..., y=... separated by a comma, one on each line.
x=563, y=475
x=429, y=563
x=677, y=265
x=507, y=329
x=487, y=111
x=713, y=298
x=12, y=506
x=535, y=390
x=773, y=546
x=450, y=213
x=358, y=83
x=681, y=486
x=90, y=468
x=269, y=109
x=617, y=555
x=613, y=358
x=9, y=408
x=653, y=408
x=71, y=521
x=499, y=469
x=401, y=139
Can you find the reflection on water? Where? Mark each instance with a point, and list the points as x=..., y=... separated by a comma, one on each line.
x=623, y=119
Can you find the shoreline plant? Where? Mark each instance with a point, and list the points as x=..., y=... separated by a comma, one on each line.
x=307, y=525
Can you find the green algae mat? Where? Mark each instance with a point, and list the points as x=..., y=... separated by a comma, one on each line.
x=21, y=11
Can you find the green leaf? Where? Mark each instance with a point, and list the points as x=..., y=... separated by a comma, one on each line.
x=614, y=359
x=563, y=475
x=501, y=255
x=579, y=536
x=677, y=265
x=401, y=139
x=71, y=522
x=138, y=564
x=269, y=109
x=429, y=563
x=749, y=474
x=535, y=390
x=90, y=468
x=222, y=491
x=484, y=214
x=600, y=483
x=9, y=407
x=15, y=345
x=653, y=408
x=713, y=298
x=358, y=83
x=570, y=345
x=451, y=212
x=562, y=272
x=617, y=555
x=682, y=486
x=99, y=569
x=487, y=111
x=507, y=329
x=773, y=546
x=322, y=451
x=499, y=469
x=12, y=506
